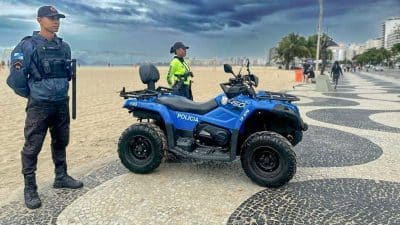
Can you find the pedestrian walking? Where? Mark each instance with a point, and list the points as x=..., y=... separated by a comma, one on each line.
x=336, y=71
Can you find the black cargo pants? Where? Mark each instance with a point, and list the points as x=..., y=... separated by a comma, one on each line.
x=41, y=116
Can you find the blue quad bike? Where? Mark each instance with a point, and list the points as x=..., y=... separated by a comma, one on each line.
x=261, y=127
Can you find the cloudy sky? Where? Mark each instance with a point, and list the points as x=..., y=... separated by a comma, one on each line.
x=137, y=30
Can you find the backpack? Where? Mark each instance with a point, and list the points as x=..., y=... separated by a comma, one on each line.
x=18, y=80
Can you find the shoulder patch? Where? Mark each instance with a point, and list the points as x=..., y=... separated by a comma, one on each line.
x=17, y=65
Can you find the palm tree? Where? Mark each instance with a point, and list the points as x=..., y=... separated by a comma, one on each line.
x=312, y=45
x=325, y=53
x=396, y=52
x=374, y=56
x=395, y=49
x=291, y=46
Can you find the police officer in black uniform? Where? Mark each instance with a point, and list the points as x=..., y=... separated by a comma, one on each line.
x=40, y=71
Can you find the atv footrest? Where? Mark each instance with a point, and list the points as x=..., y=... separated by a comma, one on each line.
x=203, y=154
x=186, y=144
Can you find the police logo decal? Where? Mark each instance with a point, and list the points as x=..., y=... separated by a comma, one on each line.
x=17, y=65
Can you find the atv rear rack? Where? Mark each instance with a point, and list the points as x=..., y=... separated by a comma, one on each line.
x=146, y=93
x=141, y=94
x=277, y=96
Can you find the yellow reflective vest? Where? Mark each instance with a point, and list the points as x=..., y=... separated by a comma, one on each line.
x=177, y=67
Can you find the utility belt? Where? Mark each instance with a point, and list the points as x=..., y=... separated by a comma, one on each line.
x=184, y=77
x=181, y=82
x=47, y=104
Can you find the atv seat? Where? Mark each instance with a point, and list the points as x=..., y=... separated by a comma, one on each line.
x=182, y=104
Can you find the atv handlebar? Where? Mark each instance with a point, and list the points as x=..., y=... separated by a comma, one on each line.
x=237, y=86
x=240, y=84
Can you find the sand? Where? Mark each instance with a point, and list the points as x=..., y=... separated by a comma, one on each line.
x=100, y=118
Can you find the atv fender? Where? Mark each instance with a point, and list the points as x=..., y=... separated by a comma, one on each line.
x=157, y=116
x=142, y=109
x=284, y=112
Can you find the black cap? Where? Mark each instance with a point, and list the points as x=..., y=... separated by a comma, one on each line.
x=49, y=11
x=178, y=45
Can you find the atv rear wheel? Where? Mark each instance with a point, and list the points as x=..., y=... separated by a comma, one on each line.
x=141, y=147
x=268, y=159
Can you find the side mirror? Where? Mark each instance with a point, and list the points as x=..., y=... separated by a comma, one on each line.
x=254, y=79
x=228, y=69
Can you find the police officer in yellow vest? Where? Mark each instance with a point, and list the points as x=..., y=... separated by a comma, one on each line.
x=179, y=74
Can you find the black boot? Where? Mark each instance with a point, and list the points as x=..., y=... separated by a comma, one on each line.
x=63, y=180
x=32, y=200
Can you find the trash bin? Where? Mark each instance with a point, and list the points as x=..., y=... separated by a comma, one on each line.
x=298, y=75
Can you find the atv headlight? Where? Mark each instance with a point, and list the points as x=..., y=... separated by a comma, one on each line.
x=224, y=100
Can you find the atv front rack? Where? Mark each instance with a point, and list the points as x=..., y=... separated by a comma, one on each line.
x=276, y=96
x=143, y=94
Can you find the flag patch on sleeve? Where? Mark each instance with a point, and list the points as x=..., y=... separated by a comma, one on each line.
x=17, y=56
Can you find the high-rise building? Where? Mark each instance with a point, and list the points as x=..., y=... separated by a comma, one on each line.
x=388, y=28
x=338, y=52
x=374, y=43
x=393, y=38
x=353, y=50
x=357, y=49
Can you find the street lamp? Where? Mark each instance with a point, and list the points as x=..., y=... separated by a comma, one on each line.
x=319, y=34
x=322, y=82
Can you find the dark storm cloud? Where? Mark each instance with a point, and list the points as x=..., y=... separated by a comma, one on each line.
x=197, y=16
x=7, y=23
x=194, y=16
x=83, y=8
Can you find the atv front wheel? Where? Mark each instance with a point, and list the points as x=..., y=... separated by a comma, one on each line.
x=268, y=159
x=141, y=147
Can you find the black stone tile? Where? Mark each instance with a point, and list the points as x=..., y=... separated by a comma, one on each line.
x=357, y=118
x=341, y=89
x=393, y=91
x=325, y=147
x=317, y=101
x=347, y=86
x=331, y=201
x=356, y=96
x=343, y=95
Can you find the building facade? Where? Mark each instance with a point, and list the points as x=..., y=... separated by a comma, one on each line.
x=338, y=52
x=393, y=38
x=374, y=43
x=388, y=28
